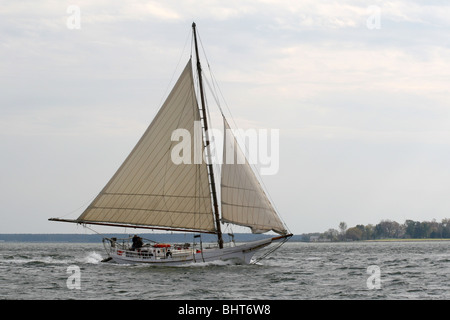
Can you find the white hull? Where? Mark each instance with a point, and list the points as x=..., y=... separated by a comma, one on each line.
x=240, y=254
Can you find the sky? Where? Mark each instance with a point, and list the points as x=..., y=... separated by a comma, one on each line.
x=359, y=91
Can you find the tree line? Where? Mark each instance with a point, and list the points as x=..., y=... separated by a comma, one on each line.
x=387, y=229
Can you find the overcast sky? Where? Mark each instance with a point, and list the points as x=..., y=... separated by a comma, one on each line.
x=358, y=89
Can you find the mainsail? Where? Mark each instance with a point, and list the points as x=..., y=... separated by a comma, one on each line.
x=149, y=189
x=244, y=201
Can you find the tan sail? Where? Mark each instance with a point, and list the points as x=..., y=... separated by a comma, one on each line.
x=243, y=199
x=149, y=189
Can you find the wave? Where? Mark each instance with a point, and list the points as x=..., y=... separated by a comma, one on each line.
x=184, y=265
x=211, y=263
x=40, y=260
x=92, y=258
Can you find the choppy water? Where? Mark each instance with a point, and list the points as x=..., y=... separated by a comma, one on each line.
x=407, y=270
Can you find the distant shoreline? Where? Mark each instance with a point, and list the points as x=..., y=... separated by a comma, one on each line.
x=167, y=237
x=407, y=240
x=97, y=238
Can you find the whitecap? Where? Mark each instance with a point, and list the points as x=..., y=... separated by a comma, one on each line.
x=93, y=258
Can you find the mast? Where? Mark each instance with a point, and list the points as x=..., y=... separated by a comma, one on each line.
x=205, y=125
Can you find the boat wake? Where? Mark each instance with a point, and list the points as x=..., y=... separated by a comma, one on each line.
x=92, y=258
x=211, y=263
x=218, y=263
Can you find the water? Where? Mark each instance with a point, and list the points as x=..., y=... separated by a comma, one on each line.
x=407, y=270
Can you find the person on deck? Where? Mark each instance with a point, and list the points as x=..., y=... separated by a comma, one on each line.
x=137, y=243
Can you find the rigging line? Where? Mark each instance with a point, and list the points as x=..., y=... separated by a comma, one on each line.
x=176, y=68
x=269, y=252
x=213, y=79
x=207, y=145
x=239, y=177
x=212, y=158
x=255, y=171
x=197, y=184
x=213, y=90
x=214, y=94
x=258, y=176
x=85, y=205
x=98, y=233
x=212, y=154
x=210, y=166
x=192, y=42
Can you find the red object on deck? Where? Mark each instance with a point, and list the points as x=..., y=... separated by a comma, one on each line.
x=162, y=245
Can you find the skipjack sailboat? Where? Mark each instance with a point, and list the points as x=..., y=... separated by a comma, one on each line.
x=151, y=191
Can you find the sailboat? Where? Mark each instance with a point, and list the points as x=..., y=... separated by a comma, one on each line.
x=151, y=191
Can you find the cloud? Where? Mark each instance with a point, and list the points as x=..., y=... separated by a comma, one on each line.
x=343, y=95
